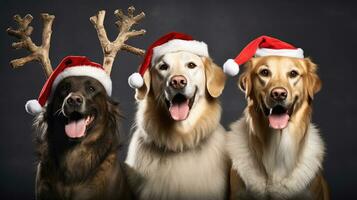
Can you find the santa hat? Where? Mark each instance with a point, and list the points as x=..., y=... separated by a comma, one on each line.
x=171, y=42
x=69, y=66
x=261, y=46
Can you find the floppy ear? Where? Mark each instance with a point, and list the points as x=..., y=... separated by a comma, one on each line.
x=312, y=81
x=215, y=78
x=245, y=82
x=140, y=93
x=114, y=113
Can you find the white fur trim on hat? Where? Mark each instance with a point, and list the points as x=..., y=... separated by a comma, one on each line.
x=33, y=107
x=84, y=70
x=193, y=46
x=296, y=53
x=230, y=67
x=135, y=80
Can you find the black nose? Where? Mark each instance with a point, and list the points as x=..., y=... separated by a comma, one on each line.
x=75, y=100
x=279, y=94
x=178, y=82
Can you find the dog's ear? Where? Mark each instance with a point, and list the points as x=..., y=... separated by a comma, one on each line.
x=140, y=93
x=312, y=80
x=113, y=111
x=113, y=119
x=245, y=81
x=215, y=78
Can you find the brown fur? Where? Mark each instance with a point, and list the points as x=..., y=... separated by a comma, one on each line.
x=257, y=90
x=85, y=168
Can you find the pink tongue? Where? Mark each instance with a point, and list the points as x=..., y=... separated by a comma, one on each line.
x=179, y=111
x=76, y=129
x=279, y=121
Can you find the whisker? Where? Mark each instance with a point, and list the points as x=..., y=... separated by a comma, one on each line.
x=58, y=112
x=159, y=98
x=62, y=112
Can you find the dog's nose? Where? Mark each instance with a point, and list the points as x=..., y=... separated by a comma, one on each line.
x=178, y=82
x=279, y=94
x=75, y=100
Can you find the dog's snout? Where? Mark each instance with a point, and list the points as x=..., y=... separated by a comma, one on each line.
x=75, y=100
x=178, y=82
x=279, y=94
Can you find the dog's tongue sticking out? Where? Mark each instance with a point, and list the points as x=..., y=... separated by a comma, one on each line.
x=77, y=129
x=179, y=110
x=278, y=121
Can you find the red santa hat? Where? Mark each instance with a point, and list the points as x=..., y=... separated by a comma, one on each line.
x=69, y=66
x=171, y=42
x=261, y=46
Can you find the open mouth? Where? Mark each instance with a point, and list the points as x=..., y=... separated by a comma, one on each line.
x=180, y=106
x=77, y=125
x=279, y=115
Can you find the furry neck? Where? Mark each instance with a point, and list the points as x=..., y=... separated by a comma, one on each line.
x=277, y=151
x=165, y=133
x=75, y=159
x=276, y=163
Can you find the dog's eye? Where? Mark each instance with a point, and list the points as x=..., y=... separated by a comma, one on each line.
x=65, y=89
x=191, y=65
x=91, y=89
x=163, y=66
x=293, y=74
x=264, y=72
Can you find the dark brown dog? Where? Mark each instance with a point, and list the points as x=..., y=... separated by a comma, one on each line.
x=77, y=144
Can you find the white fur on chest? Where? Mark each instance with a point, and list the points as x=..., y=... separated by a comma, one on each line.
x=279, y=157
x=193, y=174
x=286, y=172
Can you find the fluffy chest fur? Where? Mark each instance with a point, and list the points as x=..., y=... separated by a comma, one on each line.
x=99, y=184
x=284, y=169
x=199, y=173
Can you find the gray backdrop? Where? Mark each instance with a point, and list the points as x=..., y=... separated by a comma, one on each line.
x=325, y=30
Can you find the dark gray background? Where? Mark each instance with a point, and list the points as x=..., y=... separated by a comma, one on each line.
x=325, y=30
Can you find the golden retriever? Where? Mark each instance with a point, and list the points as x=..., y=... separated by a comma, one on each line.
x=177, y=150
x=276, y=152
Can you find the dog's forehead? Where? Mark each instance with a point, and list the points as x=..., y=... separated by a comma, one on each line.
x=79, y=81
x=278, y=62
x=181, y=56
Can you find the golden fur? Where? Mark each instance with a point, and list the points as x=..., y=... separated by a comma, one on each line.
x=179, y=159
x=277, y=164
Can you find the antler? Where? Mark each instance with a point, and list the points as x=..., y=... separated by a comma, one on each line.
x=38, y=53
x=124, y=23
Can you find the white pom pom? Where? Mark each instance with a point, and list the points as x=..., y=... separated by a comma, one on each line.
x=135, y=81
x=33, y=107
x=230, y=67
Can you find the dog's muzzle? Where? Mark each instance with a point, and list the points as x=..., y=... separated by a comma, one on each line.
x=180, y=105
x=73, y=109
x=178, y=82
x=73, y=103
x=279, y=113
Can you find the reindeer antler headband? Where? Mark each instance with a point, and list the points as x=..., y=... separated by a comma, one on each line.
x=74, y=65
